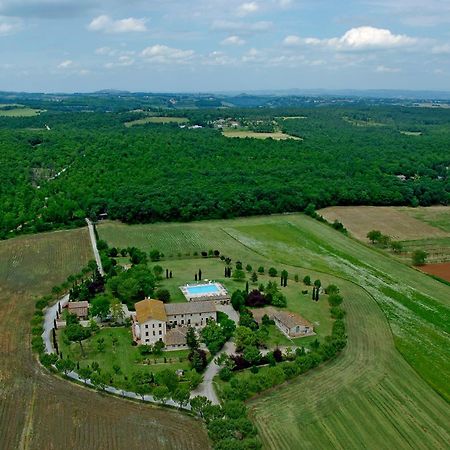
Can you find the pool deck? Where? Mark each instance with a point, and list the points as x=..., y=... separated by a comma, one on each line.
x=220, y=294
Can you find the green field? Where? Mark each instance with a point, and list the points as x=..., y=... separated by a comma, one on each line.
x=369, y=396
x=438, y=216
x=161, y=120
x=123, y=354
x=20, y=112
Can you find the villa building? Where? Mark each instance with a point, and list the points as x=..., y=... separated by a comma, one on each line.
x=155, y=321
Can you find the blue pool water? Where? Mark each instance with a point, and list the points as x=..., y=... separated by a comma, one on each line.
x=202, y=289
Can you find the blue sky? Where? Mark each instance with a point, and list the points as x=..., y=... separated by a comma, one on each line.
x=221, y=45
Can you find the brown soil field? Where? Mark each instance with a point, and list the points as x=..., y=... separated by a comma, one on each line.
x=398, y=223
x=440, y=270
x=41, y=411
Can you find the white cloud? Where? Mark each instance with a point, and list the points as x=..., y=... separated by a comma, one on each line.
x=67, y=64
x=233, y=40
x=164, y=54
x=7, y=28
x=105, y=51
x=247, y=8
x=242, y=27
x=122, y=61
x=362, y=38
x=355, y=39
x=216, y=58
x=384, y=69
x=284, y=3
x=292, y=40
x=106, y=24
x=443, y=49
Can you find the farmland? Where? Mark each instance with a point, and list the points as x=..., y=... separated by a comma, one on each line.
x=400, y=224
x=384, y=390
x=277, y=135
x=439, y=270
x=425, y=229
x=160, y=120
x=38, y=410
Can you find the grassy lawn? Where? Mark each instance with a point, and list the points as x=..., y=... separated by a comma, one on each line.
x=213, y=269
x=276, y=338
x=397, y=321
x=161, y=120
x=123, y=354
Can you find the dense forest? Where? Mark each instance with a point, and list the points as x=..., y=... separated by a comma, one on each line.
x=61, y=166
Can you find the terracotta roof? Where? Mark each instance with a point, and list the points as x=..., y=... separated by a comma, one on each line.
x=75, y=305
x=176, y=336
x=190, y=308
x=291, y=320
x=150, y=310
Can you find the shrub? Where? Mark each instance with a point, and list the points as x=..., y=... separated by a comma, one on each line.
x=42, y=303
x=48, y=359
x=273, y=272
x=337, y=313
x=307, y=280
x=37, y=344
x=163, y=295
x=332, y=289
x=260, y=269
x=225, y=374
x=37, y=331
x=335, y=300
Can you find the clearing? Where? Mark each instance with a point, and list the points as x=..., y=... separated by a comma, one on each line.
x=20, y=112
x=39, y=410
x=399, y=223
x=278, y=135
x=160, y=120
x=369, y=396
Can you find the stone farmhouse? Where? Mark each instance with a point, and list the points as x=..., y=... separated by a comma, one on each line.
x=289, y=323
x=80, y=309
x=155, y=321
x=292, y=324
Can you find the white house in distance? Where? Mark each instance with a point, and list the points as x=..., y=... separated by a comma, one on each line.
x=155, y=321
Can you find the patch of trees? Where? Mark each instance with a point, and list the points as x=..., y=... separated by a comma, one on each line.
x=269, y=294
x=215, y=334
x=344, y=164
x=228, y=424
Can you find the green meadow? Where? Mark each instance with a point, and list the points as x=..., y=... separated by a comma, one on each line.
x=387, y=389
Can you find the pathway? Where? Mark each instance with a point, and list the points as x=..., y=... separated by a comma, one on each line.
x=49, y=318
x=94, y=247
x=206, y=387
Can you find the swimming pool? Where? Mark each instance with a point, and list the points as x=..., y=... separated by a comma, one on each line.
x=203, y=289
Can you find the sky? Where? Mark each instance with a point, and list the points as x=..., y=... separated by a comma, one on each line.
x=223, y=45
